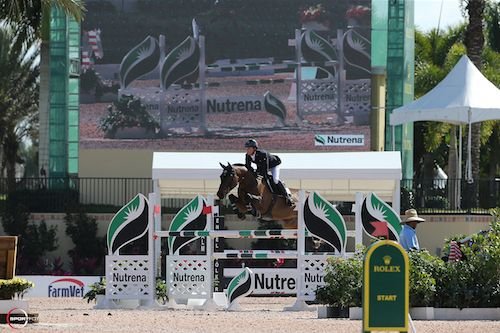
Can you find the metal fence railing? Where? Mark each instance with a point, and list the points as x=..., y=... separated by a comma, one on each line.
x=450, y=196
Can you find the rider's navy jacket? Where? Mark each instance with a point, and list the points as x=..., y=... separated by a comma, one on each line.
x=263, y=160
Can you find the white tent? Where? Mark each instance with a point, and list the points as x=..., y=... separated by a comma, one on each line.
x=337, y=176
x=464, y=96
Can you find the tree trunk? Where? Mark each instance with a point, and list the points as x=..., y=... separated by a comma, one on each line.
x=11, y=149
x=474, y=42
x=44, y=106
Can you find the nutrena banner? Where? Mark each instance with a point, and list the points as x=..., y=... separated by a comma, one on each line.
x=59, y=286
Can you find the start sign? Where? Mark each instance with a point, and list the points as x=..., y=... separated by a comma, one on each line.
x=385, y=288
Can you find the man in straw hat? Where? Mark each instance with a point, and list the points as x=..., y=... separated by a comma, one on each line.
x=408, y=236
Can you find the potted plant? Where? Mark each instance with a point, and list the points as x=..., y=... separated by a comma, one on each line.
x=14, y=288
x=127, y=118
x=315, y=18
x=96, y=289
x=343, y=286
x=12, y=292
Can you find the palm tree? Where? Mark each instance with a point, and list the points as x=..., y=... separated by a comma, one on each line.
x=18, y=90
x=32, y=21
x=474, y=42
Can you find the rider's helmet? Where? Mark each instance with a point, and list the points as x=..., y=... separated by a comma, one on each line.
x=251, y=143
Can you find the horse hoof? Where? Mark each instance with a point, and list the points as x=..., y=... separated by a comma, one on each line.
x=241, y=216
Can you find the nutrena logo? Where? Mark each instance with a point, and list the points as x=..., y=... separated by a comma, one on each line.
x=66, y=287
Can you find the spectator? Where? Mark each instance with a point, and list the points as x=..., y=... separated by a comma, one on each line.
x=408, y=236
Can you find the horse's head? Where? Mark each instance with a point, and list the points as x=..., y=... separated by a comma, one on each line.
x=228, y=180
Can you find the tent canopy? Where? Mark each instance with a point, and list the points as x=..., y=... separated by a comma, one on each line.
x=338, y=176
x=464, y=96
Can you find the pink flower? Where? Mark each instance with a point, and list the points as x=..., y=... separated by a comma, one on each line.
x=357, y=12
x=313, y=13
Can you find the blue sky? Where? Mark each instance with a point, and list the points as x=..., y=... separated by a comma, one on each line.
x=427, y=14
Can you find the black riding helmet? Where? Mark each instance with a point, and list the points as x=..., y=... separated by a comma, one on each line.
x=251, y=143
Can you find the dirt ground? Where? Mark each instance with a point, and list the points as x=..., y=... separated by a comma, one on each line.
x=257, y=315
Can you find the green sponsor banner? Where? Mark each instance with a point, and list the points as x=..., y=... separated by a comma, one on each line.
x=385, y=288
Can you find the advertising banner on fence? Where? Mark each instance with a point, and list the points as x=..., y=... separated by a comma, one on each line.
x=275, y=281
x=59, y=286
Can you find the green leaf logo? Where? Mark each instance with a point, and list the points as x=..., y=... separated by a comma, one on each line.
x=241, y=285
x=325, y=222
x=274, y=106
x=376, y=210
x=129, y=224
x=139, y=61
x=181, y=64
x=190, y=217
x=319, y=139
x=316, y=48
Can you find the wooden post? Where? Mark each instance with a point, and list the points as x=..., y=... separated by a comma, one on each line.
x=8, y=249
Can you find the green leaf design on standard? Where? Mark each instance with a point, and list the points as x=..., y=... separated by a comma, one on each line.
x=139, y=61
x=324, y=221
x=189, y=213
x=316, y=48
x=381, y=211
x=126, y=216
x=181, y=63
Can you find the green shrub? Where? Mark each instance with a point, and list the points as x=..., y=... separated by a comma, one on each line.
x=344, y=282
x=423, y=267
x=89, y=250
x=127, y=112
x=99, y=288
x=474, y=281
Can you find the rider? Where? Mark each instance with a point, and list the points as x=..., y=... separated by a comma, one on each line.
x=265, y=163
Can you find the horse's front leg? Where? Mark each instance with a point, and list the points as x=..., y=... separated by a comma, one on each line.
x=238, y=205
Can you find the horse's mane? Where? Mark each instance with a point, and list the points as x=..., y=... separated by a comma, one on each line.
x=239, y=164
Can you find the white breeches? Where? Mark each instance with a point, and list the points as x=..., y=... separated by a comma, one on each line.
x=275, y=172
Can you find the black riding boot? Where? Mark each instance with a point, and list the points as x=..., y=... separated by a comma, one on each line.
x=280, y=187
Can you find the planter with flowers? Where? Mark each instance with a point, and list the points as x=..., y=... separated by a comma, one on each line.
x=358, y=16
x=12, y=292
x=315, y=18
x=128, y=118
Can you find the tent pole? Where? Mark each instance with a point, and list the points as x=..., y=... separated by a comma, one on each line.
x=460, y=152
x=469, y=157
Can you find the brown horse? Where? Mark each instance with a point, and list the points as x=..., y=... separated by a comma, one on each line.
x=254, y=192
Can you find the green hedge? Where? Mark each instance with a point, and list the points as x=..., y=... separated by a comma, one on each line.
x=470, y=283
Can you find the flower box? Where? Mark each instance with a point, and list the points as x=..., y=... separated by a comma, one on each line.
x=8, y=304
x=467, y=314
x=422, y=313
x=332, y=312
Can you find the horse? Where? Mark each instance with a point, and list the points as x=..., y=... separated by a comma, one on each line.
x=255, y=192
